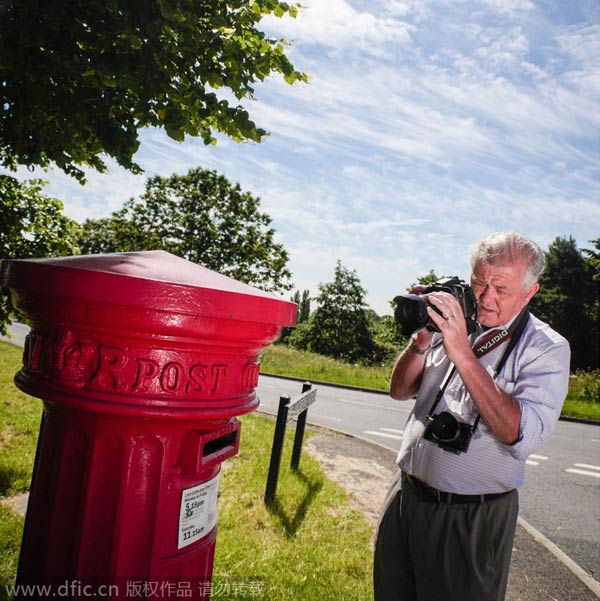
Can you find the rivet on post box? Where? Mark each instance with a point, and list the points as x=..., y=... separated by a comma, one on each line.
x=143, y=361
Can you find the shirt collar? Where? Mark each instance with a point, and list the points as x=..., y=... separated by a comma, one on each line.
x=483, y=329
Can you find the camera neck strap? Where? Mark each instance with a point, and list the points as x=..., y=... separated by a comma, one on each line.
x=484, y=346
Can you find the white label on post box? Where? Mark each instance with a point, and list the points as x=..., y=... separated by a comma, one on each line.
x=198, y=511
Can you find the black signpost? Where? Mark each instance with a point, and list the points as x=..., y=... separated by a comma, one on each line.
x=288, y=410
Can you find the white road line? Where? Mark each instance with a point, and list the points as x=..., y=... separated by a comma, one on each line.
x=331, y=419
x=383, y=434
x=537, y=458
x=392, y=430
x=583, y=472
x=372, y=406
x=587, y=466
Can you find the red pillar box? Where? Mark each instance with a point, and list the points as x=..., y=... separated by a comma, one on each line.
x=143, y=360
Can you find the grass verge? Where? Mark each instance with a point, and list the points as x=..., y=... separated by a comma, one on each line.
x=20, y=416
x=311, y=544
x=583, y=399
x=281, y=360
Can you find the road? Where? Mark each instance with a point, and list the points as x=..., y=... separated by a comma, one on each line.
x=561, y=495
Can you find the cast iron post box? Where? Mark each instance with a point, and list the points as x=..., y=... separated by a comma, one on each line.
x=143, y=361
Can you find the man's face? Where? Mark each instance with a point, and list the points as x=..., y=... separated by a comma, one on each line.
x=499, y=292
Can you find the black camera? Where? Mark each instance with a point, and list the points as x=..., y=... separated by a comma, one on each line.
x=448, y=432
x=411, y=309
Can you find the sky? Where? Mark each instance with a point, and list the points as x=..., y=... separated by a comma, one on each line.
x=426, y=125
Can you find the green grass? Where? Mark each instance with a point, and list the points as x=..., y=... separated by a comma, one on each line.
x=20, y=416
x=583, y=399
x=309, y=545
x=11, y=529
x=278, y=359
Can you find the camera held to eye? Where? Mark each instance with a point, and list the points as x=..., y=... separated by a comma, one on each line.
x=411, y=309
x=448, y=432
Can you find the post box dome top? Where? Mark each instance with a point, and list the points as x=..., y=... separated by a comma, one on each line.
x=154, y=279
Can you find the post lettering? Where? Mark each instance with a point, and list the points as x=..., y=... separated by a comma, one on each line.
x=147, y=370
x=109, y=371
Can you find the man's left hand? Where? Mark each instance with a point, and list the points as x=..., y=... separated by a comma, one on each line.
x=452, y=325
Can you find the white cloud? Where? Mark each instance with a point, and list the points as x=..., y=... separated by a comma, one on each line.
x=509, y=7
x=102, y=194
x=337, y=26
x=581, y=44
x=506, y=48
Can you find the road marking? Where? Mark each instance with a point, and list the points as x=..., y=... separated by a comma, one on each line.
x=372, y=406
x=392, y=430
x=583, y=472
x=383, y=434
x=586, y=470
x=588, y=466
x=539, y=458
x=331, y=419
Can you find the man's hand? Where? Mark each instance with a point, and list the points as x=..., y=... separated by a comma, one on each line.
x=451, y=323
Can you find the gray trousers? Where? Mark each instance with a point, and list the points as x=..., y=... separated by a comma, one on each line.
x=429, y=551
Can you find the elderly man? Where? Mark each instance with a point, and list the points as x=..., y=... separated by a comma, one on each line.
x=484, y=403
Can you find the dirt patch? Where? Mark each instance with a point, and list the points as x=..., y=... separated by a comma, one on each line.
x=364, y=470
x=18, y=503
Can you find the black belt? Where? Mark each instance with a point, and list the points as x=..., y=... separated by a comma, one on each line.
x=428, y=493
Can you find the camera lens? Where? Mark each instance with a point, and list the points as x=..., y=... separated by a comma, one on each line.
x=445, y=427
x=411, y=313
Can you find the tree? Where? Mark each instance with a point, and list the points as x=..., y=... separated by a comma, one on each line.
x=339, y=327
x=201, y=217
x=81, y=78
x=303, y=302
x=593, y=264
x=387, y=339
x=593, y=259
x=568, y=301
x=304, y=306
x=427, y=280
x=31, y=225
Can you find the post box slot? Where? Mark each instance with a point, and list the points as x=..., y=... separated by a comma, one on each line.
x=218, y=444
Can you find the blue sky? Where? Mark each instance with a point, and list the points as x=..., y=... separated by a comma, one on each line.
x=426, y=125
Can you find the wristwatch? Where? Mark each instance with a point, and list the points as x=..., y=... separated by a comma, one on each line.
x=415, y=349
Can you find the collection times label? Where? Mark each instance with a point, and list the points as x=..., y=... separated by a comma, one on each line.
x=198, y=511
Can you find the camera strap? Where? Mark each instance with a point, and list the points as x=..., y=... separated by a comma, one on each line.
x=484, y=346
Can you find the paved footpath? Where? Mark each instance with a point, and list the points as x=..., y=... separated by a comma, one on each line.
x=365, y=470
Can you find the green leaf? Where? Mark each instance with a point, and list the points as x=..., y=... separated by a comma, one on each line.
x=175, y=133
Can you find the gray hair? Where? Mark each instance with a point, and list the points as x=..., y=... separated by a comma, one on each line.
x=503, y=248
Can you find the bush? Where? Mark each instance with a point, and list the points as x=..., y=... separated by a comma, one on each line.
x=585, y=386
